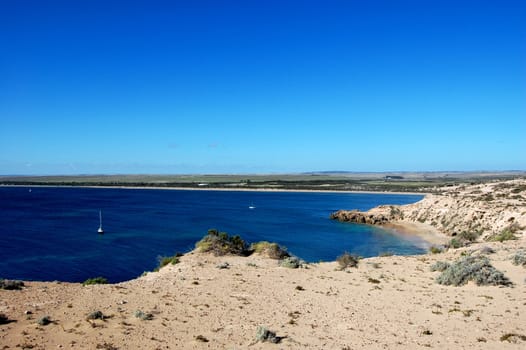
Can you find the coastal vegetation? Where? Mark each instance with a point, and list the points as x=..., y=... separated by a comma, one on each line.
x=347, y=260
x=471, y=268
x=168, y=260
x=11, y=284
x=519, y=258
x=506, y=234
x=272, y=250
x=144, y=316
x=435, y=250
x=440, y=266
x=291, y=262
x=465, y=238
x=221, y=243
x=44, y=321
x=97, y=315
x=95, y=280
x=265, y=335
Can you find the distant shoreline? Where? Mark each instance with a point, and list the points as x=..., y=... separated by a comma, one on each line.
x=395, y=182
x=223, y=189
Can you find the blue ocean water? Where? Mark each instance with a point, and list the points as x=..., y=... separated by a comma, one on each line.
x=50, y=233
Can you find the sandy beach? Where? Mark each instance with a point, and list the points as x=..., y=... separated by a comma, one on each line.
x=219, y=302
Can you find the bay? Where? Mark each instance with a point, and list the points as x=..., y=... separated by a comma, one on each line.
x=50, y=233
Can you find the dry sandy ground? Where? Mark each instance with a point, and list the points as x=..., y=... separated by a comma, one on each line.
x=387, y=302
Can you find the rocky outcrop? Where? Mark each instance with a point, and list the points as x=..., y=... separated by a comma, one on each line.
x=485, y=209
x=378, y=216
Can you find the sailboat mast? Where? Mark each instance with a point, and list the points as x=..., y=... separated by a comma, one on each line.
x=100, y=230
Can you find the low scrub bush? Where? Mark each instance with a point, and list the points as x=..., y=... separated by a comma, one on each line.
x=166, y=260
x=456, y=243
x=96, y=280
x=96, y=315
x=470, y=236
x=291, y=262
x=272, y=250
x=505, y=235
x=11, y=284
x=519, y=258
x=508, y=233
x=472, y=268
x=439, y=266
x=220, y=243
x=145, y=316
x=44, y=321
x=463, y=239
x=385, y=254
x=348, y=260
x=435, y=250
x=265, y=335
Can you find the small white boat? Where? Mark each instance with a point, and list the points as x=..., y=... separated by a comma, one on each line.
x=251, y=206
x=100, y=230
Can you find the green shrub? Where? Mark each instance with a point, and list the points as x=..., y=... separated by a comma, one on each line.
x=96, y=280
x=456, y=243
x=463, y=239
x=143, y=315
x=439, y=266
x=472, y=268
x=220, y=243
x=469, y=236
x=347, y=260
x=96, y=315
x=11, y=284
x=272, y=250
x=291, y=262
x=264, y=335
x=519, y=258
x=505, y=235
x=508, y=233
x=165, y=260
x=435, y=250
x=44, y=321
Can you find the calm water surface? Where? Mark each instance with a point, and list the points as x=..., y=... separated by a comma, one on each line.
x=51, y=233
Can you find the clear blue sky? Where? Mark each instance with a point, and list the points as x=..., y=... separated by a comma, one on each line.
x=261, y=86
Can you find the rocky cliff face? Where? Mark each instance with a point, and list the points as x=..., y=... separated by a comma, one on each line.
x=482, y=208
x=377, y=216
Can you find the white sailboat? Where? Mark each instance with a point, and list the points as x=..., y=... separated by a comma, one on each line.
x=100, y=230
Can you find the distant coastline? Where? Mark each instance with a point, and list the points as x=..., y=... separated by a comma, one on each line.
x=395, y=182
x=221, y=189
